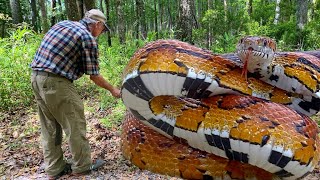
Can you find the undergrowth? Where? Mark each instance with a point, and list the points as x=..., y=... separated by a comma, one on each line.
x=16, y=53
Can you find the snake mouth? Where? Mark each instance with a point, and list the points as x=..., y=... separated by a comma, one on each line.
x=255, y=53
x=253, y=59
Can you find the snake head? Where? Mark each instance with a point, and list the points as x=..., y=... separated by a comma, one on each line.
x=256, y=52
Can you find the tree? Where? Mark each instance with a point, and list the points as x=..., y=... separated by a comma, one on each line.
x=4, y=16
x=16, y=11
x=155, y=18
x=34, y=15
x=101, y=6
x=277, y=13
x=302, y=13
x=72, y=10
x=80, y=6
x=122, y=31
x=225, y=8
x=170, y=18
x=193, y=14
x=61, y=13
x=84, y=6
x=140, y=16
x=53, y=17
x=209, y=34
x=108, y=20
x=184, y=26
x=312, y=9
x=43, y=9
x=89, y=4
x=249, y=5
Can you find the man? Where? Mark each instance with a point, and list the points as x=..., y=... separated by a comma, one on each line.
x=67, y=51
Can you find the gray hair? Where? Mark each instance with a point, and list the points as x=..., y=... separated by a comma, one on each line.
x=88, y=20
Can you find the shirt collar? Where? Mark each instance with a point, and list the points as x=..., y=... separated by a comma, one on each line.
x=85, y=22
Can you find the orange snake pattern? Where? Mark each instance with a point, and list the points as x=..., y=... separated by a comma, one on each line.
x=211, y=122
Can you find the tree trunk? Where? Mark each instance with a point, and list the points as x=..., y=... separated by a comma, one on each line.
x=302, y=13
x=108, y=20
x=211, y=4
x=34, y=15
x=16, y=11
x=155, y=19
x=184, y=26
x=277, y=14
x=2, y=28
x=80, y=7
x=101, y=6
x=200, y=9
x=249, y=6
x=89, y=4
x=209, y=35
x=193, y=14
x=170, y=20
x=122, y=32
x=72, y=10
x=312, y=10
x=225, y=7
x=161, y=10
x=44, y=18
x=136, y=24
x=141, y=16
x=54, y=12
x=60, y=11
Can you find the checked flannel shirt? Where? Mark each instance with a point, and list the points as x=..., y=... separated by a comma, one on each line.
x=69, y=50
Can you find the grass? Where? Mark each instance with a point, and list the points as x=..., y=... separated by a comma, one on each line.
x=316, y=118
x=115, y=117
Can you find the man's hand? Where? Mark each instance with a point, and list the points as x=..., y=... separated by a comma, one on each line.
x=116, y=92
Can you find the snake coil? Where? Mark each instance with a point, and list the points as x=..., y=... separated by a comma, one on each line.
x=210, y=122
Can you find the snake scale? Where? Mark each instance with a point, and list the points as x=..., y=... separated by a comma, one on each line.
x=199, y=115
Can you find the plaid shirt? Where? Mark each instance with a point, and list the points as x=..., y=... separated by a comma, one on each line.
x=68, y=49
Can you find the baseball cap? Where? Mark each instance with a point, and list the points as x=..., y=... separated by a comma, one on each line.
x=97, y=15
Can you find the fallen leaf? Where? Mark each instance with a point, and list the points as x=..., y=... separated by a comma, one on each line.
x=15, y=134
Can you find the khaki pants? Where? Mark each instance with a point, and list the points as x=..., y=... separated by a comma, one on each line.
x=61, y=108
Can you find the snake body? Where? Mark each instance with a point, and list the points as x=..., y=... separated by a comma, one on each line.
x=200, y=100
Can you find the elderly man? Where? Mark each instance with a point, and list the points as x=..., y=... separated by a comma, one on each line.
x=68, y=50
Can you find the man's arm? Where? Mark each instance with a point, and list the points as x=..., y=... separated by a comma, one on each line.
x=100, y=81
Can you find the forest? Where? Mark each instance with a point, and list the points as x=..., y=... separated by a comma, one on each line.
x=212, y=24
x=216, y=25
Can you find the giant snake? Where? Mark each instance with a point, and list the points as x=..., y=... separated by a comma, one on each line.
x=198, y=115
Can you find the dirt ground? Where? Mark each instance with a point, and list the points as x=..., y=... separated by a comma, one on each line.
x=21, y=156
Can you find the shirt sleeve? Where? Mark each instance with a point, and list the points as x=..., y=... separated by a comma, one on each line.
x=90, y=55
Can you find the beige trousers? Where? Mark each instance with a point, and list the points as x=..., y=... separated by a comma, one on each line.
x=61, y=109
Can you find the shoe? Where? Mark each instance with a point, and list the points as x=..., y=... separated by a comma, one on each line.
x=98, y=164
x=67, y=170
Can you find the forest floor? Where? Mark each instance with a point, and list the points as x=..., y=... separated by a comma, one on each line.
x=21, y=155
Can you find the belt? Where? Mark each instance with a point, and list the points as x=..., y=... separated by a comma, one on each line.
x=48, y=74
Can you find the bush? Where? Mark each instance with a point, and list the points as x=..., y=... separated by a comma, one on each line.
x=16, y=53
x=312, y=36
x=286, y=35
